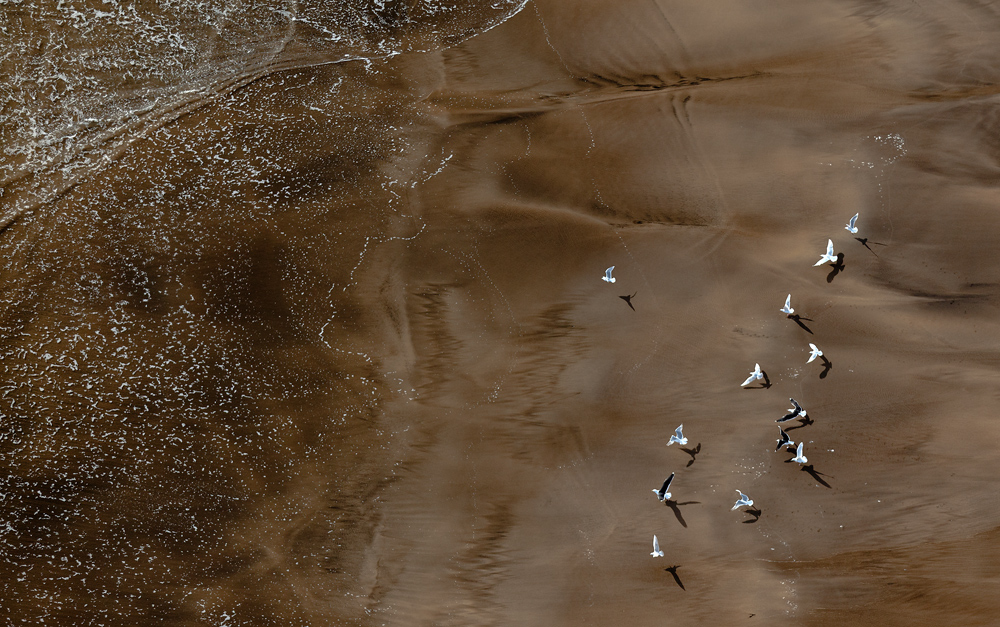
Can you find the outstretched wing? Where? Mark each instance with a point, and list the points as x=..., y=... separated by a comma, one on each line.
x=797, y=407
x=666, y=484
x=829, y=248
x=656, y=545
x=749, y=380
x=678, y=433
x=781, y=440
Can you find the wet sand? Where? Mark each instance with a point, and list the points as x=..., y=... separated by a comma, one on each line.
x=331, y=346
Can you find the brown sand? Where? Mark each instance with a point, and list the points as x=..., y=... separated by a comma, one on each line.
x=332, y=347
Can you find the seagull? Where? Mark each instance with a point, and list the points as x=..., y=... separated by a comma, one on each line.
x=744, y=500
x=828, y=256
x=814, y=353
x=850, y=225
x=756, y=374
x=662, y=493
x=610, y=279
x=795, y=412
x=656, y=548
x=678, y=437
x=784, y=440
x=799, y=457
x=788, y=306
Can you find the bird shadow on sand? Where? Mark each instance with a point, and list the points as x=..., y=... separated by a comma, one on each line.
x=628, y=300
x=674, y=505
x=827, y=367
x=838, y=267
x=673, y=571
x=763, y=386
x=815, y=474
x=755, y=516
x=864, y=242
x=692, y=452
x=804, y=421
x=797, y=319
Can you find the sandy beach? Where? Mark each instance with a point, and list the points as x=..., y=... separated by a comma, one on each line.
x=327, y=343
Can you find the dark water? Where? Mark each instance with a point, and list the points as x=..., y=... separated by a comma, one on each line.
x=302, y=319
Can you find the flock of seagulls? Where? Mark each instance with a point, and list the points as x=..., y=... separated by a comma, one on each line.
x=795, y=412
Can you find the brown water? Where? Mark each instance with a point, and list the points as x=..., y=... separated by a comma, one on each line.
x=302, y=319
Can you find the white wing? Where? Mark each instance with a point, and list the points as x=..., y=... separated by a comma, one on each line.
x=749, y=380
x=816, y=352
x=680, y=436
x=829, y=248
x=850, y=225
x=788, y=305
x=656, y=545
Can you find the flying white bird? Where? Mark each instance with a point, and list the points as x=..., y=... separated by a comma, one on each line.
x=850, y=225
x=828, y=256
x=795, y=411
x=744, y=500
x=656, y=548
x=788, y=306
x=756, y=374
x=799, y=457
x=783, y=440
x=607, y=275
x=814, y=353
x=662, y=493
x=678, y=437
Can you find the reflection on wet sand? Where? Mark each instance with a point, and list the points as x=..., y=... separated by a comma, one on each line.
x=332, y=346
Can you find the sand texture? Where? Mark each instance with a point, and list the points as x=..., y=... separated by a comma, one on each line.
x=327, y=343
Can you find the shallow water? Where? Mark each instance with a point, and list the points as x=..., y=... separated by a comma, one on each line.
x=303, y=323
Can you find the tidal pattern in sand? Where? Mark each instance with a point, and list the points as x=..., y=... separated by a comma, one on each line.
x=302, y=319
